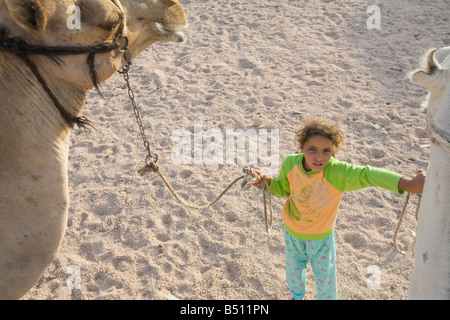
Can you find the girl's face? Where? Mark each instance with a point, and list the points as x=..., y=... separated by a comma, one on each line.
x=318, y=151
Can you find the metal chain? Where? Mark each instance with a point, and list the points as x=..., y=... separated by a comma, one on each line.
x=151, y=156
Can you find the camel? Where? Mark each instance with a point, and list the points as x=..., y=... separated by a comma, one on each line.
x=46, y=69
x=430, y=276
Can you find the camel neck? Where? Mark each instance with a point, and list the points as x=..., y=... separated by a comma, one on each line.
x=24, y=95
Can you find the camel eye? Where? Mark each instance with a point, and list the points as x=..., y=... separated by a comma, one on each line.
x=111, y=22
x=111, y=25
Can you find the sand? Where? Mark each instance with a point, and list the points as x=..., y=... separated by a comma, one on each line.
x=246, y=65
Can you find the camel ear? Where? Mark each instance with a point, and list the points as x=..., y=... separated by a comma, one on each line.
x=427, y=77
x=29, y=14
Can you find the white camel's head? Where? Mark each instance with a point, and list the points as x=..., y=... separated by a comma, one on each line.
x=434, y=75
x=86, y=23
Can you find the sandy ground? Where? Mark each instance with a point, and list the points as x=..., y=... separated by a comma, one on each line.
x=246, y=65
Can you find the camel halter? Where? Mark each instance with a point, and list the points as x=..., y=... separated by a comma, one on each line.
x=23, y=50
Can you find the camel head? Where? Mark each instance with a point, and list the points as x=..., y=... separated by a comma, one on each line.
x=87, y=23
x=435, y=71
x=434, y=75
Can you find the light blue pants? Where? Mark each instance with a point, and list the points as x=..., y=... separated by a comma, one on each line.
x=322, y=255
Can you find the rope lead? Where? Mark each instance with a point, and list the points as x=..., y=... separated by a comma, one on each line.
x=247, y=177
x=400, y=221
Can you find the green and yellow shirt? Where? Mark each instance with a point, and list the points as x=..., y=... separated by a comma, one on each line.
x=310, y=211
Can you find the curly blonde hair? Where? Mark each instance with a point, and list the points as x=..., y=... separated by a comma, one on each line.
x=320, y=127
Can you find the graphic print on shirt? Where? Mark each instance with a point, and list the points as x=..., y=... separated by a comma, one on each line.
x=302, y=199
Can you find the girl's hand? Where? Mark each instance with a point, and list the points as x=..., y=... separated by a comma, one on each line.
x=414, y=185
x=260, y=177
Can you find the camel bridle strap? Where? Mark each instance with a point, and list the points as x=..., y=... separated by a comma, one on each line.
x=23, y=50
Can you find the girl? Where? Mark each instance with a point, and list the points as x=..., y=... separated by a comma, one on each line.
x=315, y=181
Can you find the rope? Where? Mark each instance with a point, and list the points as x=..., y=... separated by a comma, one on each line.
x=264, y=186
x=394, y=243
x=248, y=178
x=400, y=221
x=268, y=224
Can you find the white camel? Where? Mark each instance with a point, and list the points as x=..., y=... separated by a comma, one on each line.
x=431, y=274
x=46, y=69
